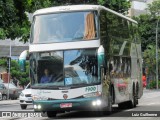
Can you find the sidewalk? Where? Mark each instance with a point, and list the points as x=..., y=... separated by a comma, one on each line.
x=150, y=90
x=7, y=102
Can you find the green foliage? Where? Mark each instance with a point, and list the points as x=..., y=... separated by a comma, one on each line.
x=14, y=21
x=153, y=84
x=148, y=23
x=154, y=8
x=120, y=6
x=23, y=77
x=150, y=62
x=149, y=59
x=33, y=5
x=3, y=63
x=147, y=30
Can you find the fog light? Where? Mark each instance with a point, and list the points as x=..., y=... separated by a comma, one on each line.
x=98, y=102
x=93, y=103
x=35, y=106
x=39, y=106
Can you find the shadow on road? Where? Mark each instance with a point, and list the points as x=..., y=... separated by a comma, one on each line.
x=87, y=114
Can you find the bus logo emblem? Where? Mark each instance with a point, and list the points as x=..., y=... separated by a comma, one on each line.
x=65, y=96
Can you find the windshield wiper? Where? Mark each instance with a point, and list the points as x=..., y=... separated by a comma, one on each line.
x=53, y=86
x=36, y=86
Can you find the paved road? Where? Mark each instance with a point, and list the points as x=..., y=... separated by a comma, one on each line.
x=149, y=102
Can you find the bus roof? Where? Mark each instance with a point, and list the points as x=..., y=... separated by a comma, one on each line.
x=78, y=8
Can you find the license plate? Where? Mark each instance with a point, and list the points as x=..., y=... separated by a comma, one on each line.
x=30, y=99
x=65, y=105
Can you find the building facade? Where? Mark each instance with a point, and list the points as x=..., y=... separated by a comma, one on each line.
x=139, y=7
x=16, y=48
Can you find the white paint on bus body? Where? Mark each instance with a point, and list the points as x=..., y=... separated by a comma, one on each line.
x=71, y=8
x=71, y=93
x=64, y=46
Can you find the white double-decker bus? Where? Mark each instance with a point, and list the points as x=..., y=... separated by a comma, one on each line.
x=84, y=57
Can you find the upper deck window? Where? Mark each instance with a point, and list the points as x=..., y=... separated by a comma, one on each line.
x=64, y=27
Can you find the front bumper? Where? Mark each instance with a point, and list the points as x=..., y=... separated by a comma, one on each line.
x=25, y=100
x=82, y=104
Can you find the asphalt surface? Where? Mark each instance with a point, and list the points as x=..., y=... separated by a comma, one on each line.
x=149, y=102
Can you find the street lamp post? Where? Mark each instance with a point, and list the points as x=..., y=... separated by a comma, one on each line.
x=9, y=66
x=157, y=53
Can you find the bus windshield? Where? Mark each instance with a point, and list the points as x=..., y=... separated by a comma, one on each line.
x=72, y=68
x=63, y=27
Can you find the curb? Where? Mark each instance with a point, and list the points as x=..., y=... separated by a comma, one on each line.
x=8, y=102
x=150, y=91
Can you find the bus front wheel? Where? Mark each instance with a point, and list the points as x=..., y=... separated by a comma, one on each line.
x=51, y=114
x=133, y=102
x=110, y=102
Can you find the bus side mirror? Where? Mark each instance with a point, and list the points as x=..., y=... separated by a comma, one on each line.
x=22, y=60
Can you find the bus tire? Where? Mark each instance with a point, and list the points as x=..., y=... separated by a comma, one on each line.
x=137, y=91
x=122, y=105
x=113, y=95
x=110, y=101
x=98, y=113
x=109, y=109
x=51, y=114
x=133, y=102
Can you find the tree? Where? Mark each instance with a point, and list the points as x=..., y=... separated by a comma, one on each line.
x=14, y=21
x=120, y=6
x=23, y=77
x=149, y=59
x=147, y=30
x=147, y=25
x=3, y=63
x=154, y=8
x=150, y=63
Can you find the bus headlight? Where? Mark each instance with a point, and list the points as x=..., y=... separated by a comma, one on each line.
x=37, y=106
x=94, y=94
x=97, y=103
x=94, y=103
